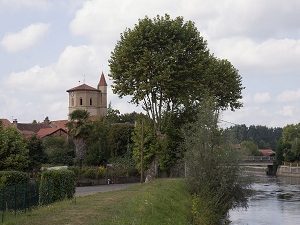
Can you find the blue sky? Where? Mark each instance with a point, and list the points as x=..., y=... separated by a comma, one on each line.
x=48, y=46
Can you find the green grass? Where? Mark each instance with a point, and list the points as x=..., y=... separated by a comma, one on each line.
x=163, y=201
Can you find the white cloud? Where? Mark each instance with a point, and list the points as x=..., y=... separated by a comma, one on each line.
x=273, y=56
x=27, y=37
x=77, y=61
x=289, y=96
x=261, y=97
x=287, y=111
x=35, y=79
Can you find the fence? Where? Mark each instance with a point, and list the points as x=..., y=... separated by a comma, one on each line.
x=18, y=198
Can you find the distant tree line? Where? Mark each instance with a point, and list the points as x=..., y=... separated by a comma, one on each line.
x=262, y=136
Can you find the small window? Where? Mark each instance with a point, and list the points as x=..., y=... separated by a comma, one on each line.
x=72, y=101
x=91, y=101
x=80, y=101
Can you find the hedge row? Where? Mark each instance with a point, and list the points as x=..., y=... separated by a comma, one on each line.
x=10, y=178
x=56, y=185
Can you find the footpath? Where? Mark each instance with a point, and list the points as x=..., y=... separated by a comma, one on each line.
x=100, y=188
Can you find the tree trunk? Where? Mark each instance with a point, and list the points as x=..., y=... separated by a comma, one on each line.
x=80, y=150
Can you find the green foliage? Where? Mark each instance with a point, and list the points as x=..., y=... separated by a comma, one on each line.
x=56, y=185
x=262, y=136
x=249, y=148
x=98, y=149
x=108, y=141
x=79, y=128
x=296, y=147
x=119, y=139
x=59, y=150
x=126, y=161
x=151, y=145
x=290, y=132
x=93, y=172
x=212, y=162
x=10, y=178
x=204, y=211
x=13, y=151
x=113, y=115
x=164, y=64
x=290, y=143
x=36, y=153
x=281, y=150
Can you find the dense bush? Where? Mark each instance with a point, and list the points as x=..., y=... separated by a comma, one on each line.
x=56, y=185
x=10, y=178
x=93, y=172
x=213, y=171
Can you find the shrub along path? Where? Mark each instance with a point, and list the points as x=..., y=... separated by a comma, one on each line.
x=163, y=201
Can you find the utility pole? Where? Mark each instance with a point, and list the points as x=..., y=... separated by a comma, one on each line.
x=142, y=153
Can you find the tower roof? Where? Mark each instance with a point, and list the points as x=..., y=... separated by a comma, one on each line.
x=83, y=87
x=102, y=81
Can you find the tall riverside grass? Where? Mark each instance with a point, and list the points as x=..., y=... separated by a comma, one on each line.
x=163, y=201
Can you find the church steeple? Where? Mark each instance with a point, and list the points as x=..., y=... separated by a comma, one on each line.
x=102, y=86
x=102, y=81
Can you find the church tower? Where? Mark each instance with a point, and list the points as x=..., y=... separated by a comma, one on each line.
x=94, y=100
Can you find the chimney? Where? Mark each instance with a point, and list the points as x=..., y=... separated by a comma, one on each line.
x=15, y=123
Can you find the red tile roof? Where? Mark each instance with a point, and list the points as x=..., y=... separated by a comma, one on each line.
x=33, y=127
x=41, y=129
x=83, y=87
x=6, y=123
x=59, y=124
x=49, y=131
x=102, y=81
x=267, y=152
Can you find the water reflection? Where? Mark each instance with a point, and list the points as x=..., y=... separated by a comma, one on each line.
x=276, y=201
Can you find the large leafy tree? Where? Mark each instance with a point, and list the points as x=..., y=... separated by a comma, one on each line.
x=36, y=153
x=79, y=129
x=165, y=65
x=291, y=140
x=13, y=151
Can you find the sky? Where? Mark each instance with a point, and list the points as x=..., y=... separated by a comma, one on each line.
x=50, y=46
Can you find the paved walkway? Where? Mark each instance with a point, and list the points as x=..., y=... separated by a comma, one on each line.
x=100, y=188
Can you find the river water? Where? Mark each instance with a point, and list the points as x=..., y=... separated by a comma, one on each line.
x=276, y=201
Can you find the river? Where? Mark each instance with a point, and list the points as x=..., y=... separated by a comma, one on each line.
x=276, y=201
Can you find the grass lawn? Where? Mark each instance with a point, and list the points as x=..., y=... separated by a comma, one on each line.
x=163, y=201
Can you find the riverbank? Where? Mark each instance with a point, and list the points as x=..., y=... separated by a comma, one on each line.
x=163, y=201
x=289, y=170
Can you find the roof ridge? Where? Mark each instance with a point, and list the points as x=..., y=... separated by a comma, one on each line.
x=83, y=87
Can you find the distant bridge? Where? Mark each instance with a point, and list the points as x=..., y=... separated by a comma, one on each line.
x=260, y=161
